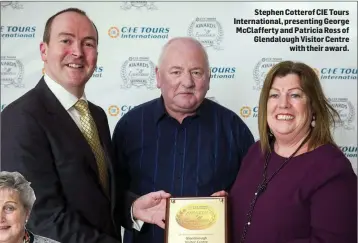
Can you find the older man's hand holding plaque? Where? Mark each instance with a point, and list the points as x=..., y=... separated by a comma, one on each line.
x=196, y=220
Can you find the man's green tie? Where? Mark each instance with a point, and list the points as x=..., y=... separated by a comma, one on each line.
x=90, y=132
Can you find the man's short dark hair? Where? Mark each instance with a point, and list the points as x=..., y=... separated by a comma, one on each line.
x=47, y=31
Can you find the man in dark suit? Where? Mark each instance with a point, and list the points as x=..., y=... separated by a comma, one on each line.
x=61, y=143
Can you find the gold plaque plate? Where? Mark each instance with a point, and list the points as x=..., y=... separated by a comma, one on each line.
x=196, y=220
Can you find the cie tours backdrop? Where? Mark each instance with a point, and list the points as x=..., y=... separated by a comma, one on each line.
x=243, y=41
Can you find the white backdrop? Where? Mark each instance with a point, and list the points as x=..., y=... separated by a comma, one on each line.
x=131, y=35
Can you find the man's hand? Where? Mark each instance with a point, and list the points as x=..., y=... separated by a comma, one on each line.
x=220, y=194
x=151, y=207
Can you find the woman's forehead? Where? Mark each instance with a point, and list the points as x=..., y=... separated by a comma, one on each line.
x=8, y=194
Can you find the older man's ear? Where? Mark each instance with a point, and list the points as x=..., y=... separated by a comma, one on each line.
x=157, y=76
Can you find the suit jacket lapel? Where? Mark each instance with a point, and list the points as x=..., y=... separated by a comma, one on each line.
x=61, y=117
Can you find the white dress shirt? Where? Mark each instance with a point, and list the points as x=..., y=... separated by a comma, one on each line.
x=68, y=101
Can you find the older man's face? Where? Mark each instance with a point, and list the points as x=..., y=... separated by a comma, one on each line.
x=183, y=76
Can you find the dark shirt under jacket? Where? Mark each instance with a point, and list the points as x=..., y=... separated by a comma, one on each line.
x=196, y=158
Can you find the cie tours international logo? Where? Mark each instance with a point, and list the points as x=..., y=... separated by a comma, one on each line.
x=14, y=31
x=115, y=110
x=349, y=151
x=139, y=32
x=113, y=32
x=247, y=111
x=336, y=73
x=98, y=72
x=222, y=72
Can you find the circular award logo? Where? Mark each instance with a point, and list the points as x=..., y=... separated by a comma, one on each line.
x=196, y=216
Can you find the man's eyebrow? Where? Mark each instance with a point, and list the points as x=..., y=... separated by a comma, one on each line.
x=90, y=38
x=175, y=67
x=66, y=33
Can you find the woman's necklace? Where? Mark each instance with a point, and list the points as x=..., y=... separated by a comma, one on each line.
x=263, y=185
x=26, y=237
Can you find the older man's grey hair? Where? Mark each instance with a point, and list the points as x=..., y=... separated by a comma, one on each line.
x=193, y=40
x=14, y=181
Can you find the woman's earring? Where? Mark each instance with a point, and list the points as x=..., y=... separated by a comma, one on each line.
x=313, y=122
x=270, y=132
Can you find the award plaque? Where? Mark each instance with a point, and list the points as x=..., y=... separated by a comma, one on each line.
x=196, y=220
